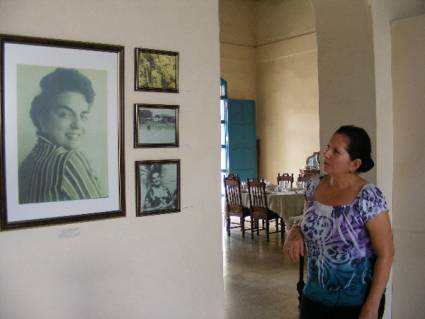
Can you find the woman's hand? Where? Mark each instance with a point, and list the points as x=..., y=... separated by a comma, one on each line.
x=368, y=312
x=294, y=244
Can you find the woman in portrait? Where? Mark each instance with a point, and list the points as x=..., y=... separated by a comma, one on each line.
x=346, y=230
x=55, y=169
x=158, y=196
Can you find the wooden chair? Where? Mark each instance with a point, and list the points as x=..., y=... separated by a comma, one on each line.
x=234, y=207
x=260, y=211
x=302, y=179
x=285, y=177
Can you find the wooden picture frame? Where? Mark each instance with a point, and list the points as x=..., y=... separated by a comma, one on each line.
x=156, y=125
x=157, y=187
x=62, y=156
x=156, y=70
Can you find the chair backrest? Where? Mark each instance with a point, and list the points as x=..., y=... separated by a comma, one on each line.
x=303, y=178
x=232, y=187
x=257, y=198
x=285, y=177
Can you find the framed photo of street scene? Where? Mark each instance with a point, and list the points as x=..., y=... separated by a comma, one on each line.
x=156, y=70
x=157, y=187
x=62, y=157
x=156, y=125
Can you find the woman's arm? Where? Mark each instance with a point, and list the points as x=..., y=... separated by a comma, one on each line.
x=294, y=243
x=381, y=236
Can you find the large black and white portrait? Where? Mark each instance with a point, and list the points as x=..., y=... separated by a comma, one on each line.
x=156, y=125
x=61, y=116
x=157, y=187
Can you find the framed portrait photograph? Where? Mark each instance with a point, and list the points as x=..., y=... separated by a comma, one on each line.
x=156, y=70
x=157, y=187
x=62, y=156
x=156, y=125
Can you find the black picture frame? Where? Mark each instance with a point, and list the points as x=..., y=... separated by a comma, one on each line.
x=27, y=202
x=156, y=125
x=156, y=70
x=157, y=187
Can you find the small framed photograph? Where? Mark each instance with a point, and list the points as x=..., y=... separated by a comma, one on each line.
x=59, y=99
x=156, y=125
x=157, y=187
x=156, y=70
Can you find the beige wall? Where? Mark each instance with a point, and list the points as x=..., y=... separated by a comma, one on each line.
x=238, y=68
x=283, y=19
x=408, y=70
x=276, y=66
x=165, y=266
x=237, y=47
x=237, y=22
x=287, y=108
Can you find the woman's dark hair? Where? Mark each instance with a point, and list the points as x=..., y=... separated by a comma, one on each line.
x=155, y=168
x=59, y=81
x=359, y=146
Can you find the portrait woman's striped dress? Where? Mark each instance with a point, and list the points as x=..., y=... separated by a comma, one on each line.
x=52, y=173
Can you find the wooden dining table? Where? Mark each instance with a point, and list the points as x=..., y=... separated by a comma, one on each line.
x=286, y=204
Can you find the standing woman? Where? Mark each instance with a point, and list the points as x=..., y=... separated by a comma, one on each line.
x=347, y=232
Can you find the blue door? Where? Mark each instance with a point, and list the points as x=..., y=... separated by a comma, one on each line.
x=242, y=138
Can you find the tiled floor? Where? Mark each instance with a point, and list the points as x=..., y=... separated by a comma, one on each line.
x=259, y=281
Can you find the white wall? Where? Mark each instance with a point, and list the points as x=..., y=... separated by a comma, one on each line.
x=346, y=68
x=408, y=70
x=166, y=266
x=384, y=111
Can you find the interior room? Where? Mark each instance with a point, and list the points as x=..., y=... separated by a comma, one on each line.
x=309, y=66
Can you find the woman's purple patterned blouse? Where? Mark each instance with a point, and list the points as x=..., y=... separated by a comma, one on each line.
x=340, y=254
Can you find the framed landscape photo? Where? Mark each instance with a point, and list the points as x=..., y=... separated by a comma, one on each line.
x=62, y=157
x=157, y=187
x=156, y=125
x=156, y=70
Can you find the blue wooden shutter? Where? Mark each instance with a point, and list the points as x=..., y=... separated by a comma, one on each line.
x=242, y=138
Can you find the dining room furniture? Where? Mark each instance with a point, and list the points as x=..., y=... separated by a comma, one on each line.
x=302, y=179
x=259, y=210
x=285, y=178
x=234, y=206
x=286, y=204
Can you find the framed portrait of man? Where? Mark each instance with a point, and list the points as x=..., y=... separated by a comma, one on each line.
x=157, y=187
x=61, y=116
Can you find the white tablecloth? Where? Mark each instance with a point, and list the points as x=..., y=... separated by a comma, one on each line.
x=285, y=204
